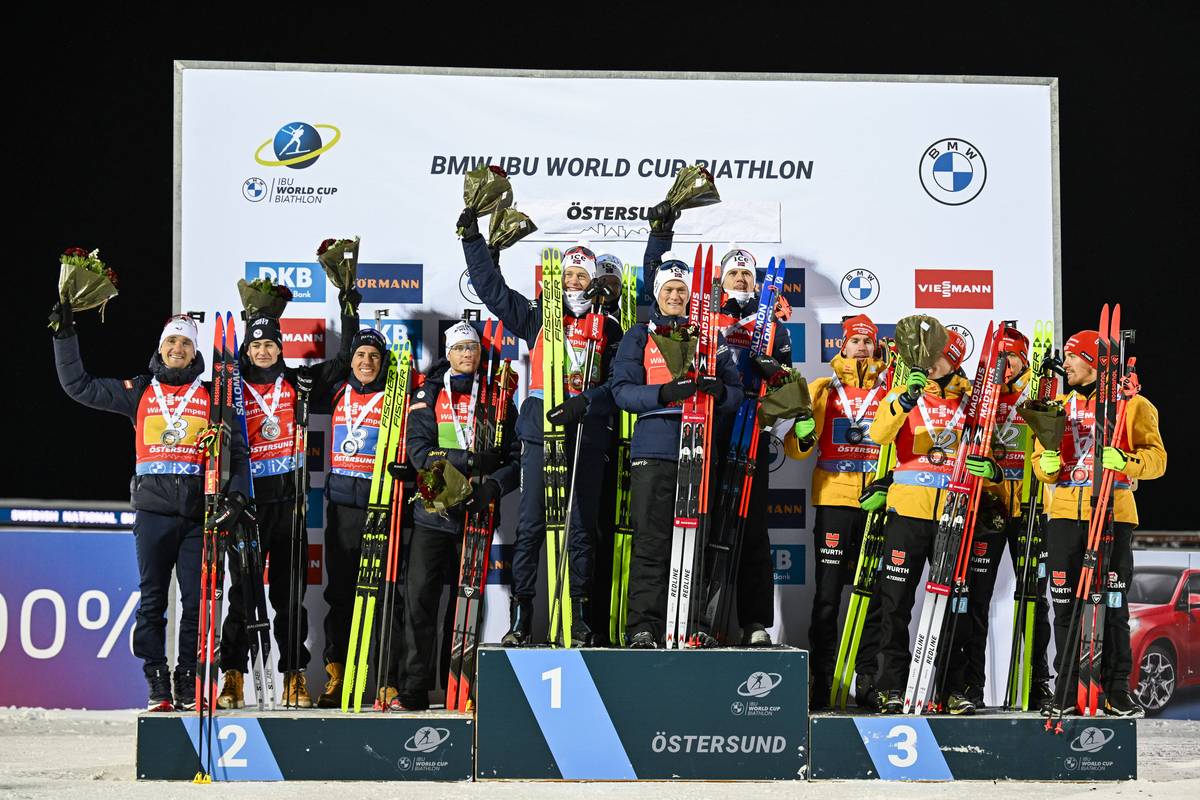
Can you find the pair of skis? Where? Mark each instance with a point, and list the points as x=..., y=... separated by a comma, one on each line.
x=554, y=446
x=497, y=381
x=695, y=445
x=724, y=546
x=297, y=580
x=1030, y=570
x=866, y=571
x=216, y=442
x=623, y=537
x=947, y=583
x=1116, y=384
x=381, y=533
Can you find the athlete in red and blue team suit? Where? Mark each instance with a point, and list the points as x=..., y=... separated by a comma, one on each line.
x=589, y=400
x=844, y=407
x=269, y=397
x=169, y=408
x=357, y=407
x=441, y=427
x=643, y=385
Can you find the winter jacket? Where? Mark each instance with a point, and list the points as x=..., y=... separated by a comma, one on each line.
x=347, y=490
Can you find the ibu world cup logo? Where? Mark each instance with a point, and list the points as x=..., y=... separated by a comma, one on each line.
x=297, y=145
x=953, y=171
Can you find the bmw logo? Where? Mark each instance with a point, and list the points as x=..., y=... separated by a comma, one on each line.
x=254, y=189
x=953, y=171
x=467, y=290
x=860, y=288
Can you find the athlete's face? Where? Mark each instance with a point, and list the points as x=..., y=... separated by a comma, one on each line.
x=464, y=357
x=673, y=298
x=738, y=280
x=575, y=279
x=1014, y=368
x=177, y=351
x=1079, y=372
x=264, y=353
x=859, y=346
x=365, y=363
x=941, y=369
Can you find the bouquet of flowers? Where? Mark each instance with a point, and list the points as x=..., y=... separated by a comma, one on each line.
x=920, y=340
x=509, y=226
x=486, y=189
x=441, y=487
x=694, y=187
x=339, y=259
x=84, y=282
x=787, y=397
x=1046, y=419
x=261, y=297
x=678, y=344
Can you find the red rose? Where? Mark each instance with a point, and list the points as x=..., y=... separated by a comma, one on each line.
x=283, y=292
x=111, y=274
x=325, y=245
x=75, y=251
x=498, y=171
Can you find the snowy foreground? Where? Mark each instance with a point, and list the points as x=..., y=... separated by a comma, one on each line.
x=90, y=754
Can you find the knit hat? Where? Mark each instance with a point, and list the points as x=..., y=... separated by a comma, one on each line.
x=580, y=256
x=1085, y=345
x=672, y=269
x=608, y=264
x=737, y=258
x=955, y=350
x=183, y=325
x=371, y=338
x=263, y=328
x=860, y=325
x=460, y=332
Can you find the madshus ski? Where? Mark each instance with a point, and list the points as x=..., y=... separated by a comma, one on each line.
x=1029, y=567
x=695, y=439
x=724, y=545
x=497, y=382
x=247, y=545
x=866, y=572
x=376, y=529
x=951, y=550
x=623, y=536
x=215, y=441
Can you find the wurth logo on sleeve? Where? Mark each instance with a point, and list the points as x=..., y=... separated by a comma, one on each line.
x=954, y=288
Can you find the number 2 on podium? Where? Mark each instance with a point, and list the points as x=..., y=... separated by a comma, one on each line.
x=555, y=678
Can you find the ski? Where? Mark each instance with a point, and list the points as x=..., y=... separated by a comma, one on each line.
x=623, y=536
x=723, y=549
x=554, y=445
x=691, y=482
x=247, y=544
x=866, y=571
x=297, y=580
x=375, y=531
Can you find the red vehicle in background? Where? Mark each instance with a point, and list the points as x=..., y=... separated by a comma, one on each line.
x=1164, y=625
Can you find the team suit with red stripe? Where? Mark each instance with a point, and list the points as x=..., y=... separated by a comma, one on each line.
x=167, y=491
x=523, y=317
x=272, y=467
x=436, y=545
x=639, y=373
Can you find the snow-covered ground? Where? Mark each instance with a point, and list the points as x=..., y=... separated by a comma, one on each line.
x=90, y=754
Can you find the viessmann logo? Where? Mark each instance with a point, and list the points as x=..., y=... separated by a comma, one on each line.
x=954, y=288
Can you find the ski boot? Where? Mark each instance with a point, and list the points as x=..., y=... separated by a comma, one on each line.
x=520, y=614
x=702, y=641
x=643, y=640
x=819, y=689
x=185, y=689
x=1120, y=703
x=865, y=695
x=295, y=690
x=1040, y=696
x=384, y=698
x=159, y=680
x=332, y=696
x=231, y=690
x=890, y=701
x=581, y=634
x=975, y=695
x=411, y=702
x=960, y=704
x=755, y=635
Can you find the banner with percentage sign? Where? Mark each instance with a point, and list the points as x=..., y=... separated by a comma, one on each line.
x=67, y=605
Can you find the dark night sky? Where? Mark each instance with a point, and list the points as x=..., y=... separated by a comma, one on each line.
x=90, y=141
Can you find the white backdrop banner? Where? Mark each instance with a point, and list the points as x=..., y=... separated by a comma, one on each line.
x=884, y=196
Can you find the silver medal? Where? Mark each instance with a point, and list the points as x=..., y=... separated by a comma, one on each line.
x=171, y=437
x=855, y=434
x=350, y=446
x=270, y=430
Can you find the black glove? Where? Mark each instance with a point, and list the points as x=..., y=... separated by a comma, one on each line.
x=482, y=495
x=402, y=472
x=350, y=298
x=468, y=220
x=568, y=412
x=484, y=463
x=711, y=385
x=229, y=508
x=662, y=217
x=676, y=390
x=766, y=366
x=65, y=317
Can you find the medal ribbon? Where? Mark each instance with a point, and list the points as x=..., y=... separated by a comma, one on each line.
x=935, y=432
x=172, y=420
x=463, y=431
x=1002, y=434
x=352, y=426
x=258, y=398
x=847, y=406
x=1083, y=444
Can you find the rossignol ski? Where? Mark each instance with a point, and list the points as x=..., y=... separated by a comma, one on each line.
x=724, y=545
x=497, y=381
x=623, y=536
x=297, y=580
x=695, y=436
x=866, y=571
x=375, y=530
x=554, y=446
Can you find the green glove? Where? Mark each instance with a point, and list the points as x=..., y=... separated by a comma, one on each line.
x=875, y=497
x=804, y=428
x=1112, y=458
x=916, y=382
x=984, y=467
x=1050, y=462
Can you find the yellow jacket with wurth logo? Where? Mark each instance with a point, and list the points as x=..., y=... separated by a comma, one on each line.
x=832, y=488
x=1147, y=459
x=907, y=500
